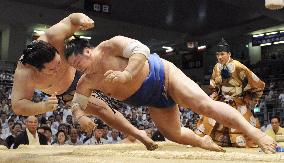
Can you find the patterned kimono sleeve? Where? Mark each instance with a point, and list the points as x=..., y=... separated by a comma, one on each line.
x=214, y=81
x=255, y=86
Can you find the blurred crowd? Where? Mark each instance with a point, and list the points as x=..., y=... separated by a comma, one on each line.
x=59, y=128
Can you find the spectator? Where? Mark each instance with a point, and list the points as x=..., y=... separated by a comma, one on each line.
x=30, y=135
x=265, y=126
x=276, y=129
x=4, y=119
x=97, y=139
x=48, y=134
x=86, y=139
x=58, y=118
x=16, y=130
x=69, y=120
x=80, y=132
x=74, y=138
x=8, y=131
x=5, y=106
x=114, y=139
x=40, y=130
x=61, y=138
x=106, y=132
x=63, y=127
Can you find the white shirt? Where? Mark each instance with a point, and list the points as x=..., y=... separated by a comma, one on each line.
x=111, y=141
x=78, y=142
x=5, y=133
x=33, y=140
x=66, y=112
x=93, y=141
x=264, y=128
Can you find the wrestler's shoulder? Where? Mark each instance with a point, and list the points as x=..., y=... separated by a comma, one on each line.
x=105, y=48
x=23, y=71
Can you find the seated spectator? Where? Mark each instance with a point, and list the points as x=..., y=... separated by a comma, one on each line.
x=276, y=129
x=30, y=135
x=106, y=132
x=61, y=138
x=4, y=119
x=48, y=123
x=48, y=134
x=80, y=132
x=40, y=130
x=114, y=139
x=8, y=131
x=5, y=106
x=88, y=136
x=69, y=120
x=16, y=130
x=58, y=118
x=62, y=126
x=97, y=138
x=265, y=126
x=74, y=138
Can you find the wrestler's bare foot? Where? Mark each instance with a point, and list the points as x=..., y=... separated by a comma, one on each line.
x=208, y=143
x=266, y=143
x=148, y=142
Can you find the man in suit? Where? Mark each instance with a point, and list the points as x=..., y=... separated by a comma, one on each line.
x=30, y=135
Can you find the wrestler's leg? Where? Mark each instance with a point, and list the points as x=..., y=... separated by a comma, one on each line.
x=168, y=122
x=189, y=95
x=103, y=111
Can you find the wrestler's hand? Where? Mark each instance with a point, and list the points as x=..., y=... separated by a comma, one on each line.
x=117, y=76
x=50, y=104
x=86, y=124
x=86, y=23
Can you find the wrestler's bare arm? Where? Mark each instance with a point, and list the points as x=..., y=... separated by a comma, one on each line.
x=85, y=86
x=66, y=28
x=117, y=46
x=22, y=93
x=79, y=104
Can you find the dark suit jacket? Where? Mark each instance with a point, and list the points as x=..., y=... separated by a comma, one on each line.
x=10, y=140
x=23, y=139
